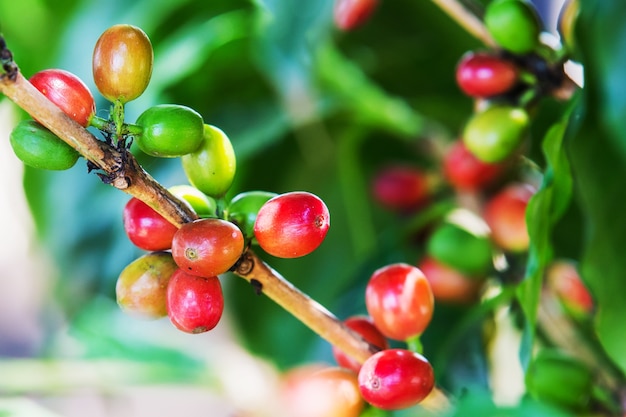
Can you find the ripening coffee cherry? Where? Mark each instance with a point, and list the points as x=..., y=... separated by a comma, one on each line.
x=211, y=168
x=400, y=187
x=244, y=207
x=350, y=14
x=141, y=287
x=170, y=130
x=200, y=203
x=122, y=62
x=68, y=92
x=449, y=285
x=466, y=172
x=39, y=148
x=311, y=391
x=513, y=24
x=194, y=304
x=365, y=327
x=505, y=214
x=481, y=74
x=460, y=249
x=146, y=228
x=563, y=278
x=394, y=379
x=399, y=300
x=207, y=247
x=495, y=133
x=291, y=225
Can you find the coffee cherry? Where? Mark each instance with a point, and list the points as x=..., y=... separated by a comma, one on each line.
x=68, y=92
x=311, y=391
x=393, y=379
x=480, y=74
x=291, y=225
x=513, y=24
x=349, y=14
x=555, y=378
x=365, y=327
x=200, y=203
x=146, y=228
x=447, y=284
x=194, y=304
x=170, y=130
x=211, y=168
x=142, y=286
x=243, y=209
x=494, y=134
x=460, y=249
x=399, y=300
x=563, y=278
x=505, y=214
x=400, y=187
x=207, y=247
x=39, y=148
x=466, y=172
x=122, y=62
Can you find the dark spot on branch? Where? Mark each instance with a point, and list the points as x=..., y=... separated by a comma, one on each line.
x=6, y=58
x=257, y=286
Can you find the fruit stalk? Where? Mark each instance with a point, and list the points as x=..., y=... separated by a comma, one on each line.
x=120, y=168
x=466, y=19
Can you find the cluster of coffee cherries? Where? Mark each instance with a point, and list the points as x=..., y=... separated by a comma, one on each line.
x=400, y=305
x=178, y=277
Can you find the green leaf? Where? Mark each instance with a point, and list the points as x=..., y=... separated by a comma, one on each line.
x=544, y=209
x=599, y=163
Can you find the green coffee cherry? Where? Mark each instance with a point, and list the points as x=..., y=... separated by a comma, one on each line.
x=494, y=134
x=558, y=379
x=459, y=249
x=200, y=203
x=38, y=147
x=211, y=168
x=243, y=208
x=170, y=130
x=514, y=25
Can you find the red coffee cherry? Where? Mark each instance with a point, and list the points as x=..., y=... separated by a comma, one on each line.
x=291, y=225
x=207, y=247
x=399, y=300
x=194, y=304
x=146, y=228
x=505, y=214
x=141, y=287
x=480, y=74
x=466, y=172
x=364, y=326
x=68, y=92
x=563, y=278
x=122, y=63
x=349, y=14
x=448, y=284
x=400, y=187
x=396, y=378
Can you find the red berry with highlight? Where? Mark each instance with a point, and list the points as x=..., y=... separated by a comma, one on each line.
x=448, y=284
x=400, y=187
x=146, y=228
x=207, y=247
x=349, y=14
x=194, y=304
x=68, y=92
x=291, y=225
x=399, y=300
x=466, y=172
x=505, y=214
x=480, y=74
x=396, y=378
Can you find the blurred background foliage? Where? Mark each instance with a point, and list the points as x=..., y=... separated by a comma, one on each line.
x=307, y=108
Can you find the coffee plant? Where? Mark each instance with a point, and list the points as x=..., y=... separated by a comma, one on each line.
x=473, y=175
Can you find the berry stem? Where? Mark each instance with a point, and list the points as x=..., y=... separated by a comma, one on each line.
x=466, y=19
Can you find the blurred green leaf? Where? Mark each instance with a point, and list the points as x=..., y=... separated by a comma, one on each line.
x=599, y=165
